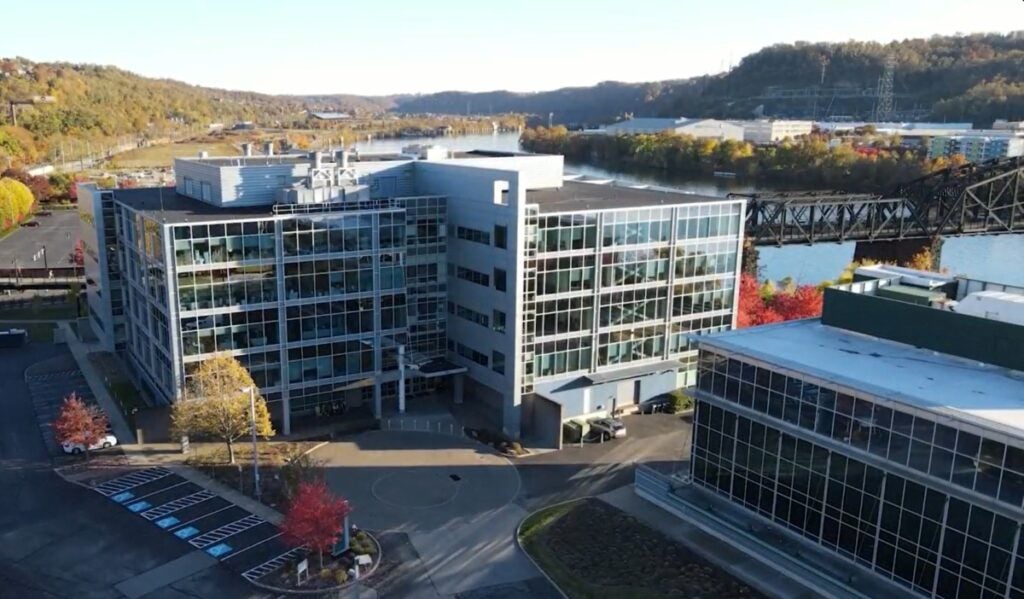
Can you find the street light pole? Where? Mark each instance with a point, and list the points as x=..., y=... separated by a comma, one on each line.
x=255, y=449
x=45, y=265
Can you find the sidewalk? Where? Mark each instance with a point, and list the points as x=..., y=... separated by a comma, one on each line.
x=169, y=456
x=80, y=351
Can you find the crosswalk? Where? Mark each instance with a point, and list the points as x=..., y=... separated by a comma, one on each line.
x=129, y=481
x=258, y=572
x=177, y=504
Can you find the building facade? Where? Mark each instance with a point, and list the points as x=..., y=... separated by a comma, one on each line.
x=700, y=128
x=370, y=279
x=890, y=432
x=977, y=148
x=768, y=131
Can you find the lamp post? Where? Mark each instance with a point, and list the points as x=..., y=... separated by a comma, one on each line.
x=255, y=450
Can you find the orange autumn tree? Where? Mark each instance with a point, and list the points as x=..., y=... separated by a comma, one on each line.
x=315, y=518
x=80, y=424
x=758, y=306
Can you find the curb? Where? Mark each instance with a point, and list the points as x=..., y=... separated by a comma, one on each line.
x=347, y=585
x=519, y=544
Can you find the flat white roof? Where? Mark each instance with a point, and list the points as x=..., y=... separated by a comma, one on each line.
x=988, y=396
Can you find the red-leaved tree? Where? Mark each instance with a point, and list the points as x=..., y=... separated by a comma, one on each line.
x=315, y=518
x=79, y=423
x=757, y=307
x=77, y=256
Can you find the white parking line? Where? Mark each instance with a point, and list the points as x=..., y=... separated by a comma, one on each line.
x=227, y=507
x=256, y=544
x=184, y=482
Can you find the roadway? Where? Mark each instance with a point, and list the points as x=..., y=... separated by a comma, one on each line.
x=59, y=540
x=58, y=232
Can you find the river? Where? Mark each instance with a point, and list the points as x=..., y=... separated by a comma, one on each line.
x=997, y=258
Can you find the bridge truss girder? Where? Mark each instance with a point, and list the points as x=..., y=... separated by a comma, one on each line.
x=983, y=199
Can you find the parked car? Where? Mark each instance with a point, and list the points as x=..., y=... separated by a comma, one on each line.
x=76, y=448
x=30, y=223
x=609, y=428
x=657, y=404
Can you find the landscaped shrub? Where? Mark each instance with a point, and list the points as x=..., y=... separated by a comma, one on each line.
x=341, y=577
x=681, y=401
x=326, y=574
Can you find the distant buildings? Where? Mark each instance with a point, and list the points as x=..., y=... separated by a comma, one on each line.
x=331, y=116
x=765, y=131
x=976, y=148
x=887, y=436
x=699, y=128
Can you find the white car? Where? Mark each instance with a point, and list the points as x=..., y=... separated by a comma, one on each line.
x=104, y=442
x=611, y=428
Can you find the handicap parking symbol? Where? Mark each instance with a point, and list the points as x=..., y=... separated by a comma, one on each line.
x=188, y=531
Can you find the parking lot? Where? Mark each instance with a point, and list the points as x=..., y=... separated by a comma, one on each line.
x=58, y=232
x=49, y=382
x=242, y=541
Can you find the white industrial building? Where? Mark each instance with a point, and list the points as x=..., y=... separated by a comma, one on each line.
x=700, y=128
x=766, y=131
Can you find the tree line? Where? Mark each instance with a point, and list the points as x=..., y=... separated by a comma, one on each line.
x=807, y=162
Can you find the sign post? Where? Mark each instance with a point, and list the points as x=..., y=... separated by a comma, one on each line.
x=302, y=572
x=343, y=543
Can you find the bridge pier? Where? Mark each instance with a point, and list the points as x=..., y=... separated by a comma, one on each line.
x=900, y=251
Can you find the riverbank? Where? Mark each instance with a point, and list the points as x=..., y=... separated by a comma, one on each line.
x=806, y=163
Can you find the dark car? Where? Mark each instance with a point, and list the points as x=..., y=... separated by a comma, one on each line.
x=30, y=223
x=657, y=404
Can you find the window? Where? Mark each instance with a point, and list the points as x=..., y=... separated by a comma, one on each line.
x=471, y=354
x=474, y=235
x=498, y=318
x=189, y=186
x=501, y=236
x=207, y=191
x=500, y=279
x=468, y=274
x=468, y=314
x=498, y=362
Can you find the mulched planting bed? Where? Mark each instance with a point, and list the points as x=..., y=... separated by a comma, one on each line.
x=595, y=550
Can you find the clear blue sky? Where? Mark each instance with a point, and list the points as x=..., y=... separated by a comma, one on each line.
x=419, y=46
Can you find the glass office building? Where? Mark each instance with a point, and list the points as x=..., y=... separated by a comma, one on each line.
x=494, y=277
x=906, y=461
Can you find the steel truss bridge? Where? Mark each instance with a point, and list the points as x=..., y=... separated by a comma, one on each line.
x=973, y=199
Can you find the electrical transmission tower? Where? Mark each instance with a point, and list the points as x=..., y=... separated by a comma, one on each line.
x=884, y=103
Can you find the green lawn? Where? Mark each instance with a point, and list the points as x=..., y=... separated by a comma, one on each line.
x=163, y=155
x=41, y=312
x=37, y=331
x=594, y=551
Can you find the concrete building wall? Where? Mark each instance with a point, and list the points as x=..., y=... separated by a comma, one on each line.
x=579, y=399
x=712, y=129
x=98, y=295
x=482, y=198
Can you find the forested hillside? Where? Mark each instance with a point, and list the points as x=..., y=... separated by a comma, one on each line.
x=975, y=78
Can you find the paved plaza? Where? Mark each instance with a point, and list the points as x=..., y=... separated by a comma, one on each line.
x=452, y=498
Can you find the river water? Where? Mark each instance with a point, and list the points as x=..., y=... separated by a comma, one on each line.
x=997, y=258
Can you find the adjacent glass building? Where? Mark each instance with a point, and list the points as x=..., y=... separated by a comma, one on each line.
x=367, y=278
x=891, y=432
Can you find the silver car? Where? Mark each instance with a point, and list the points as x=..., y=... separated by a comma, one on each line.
x=611, y=428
